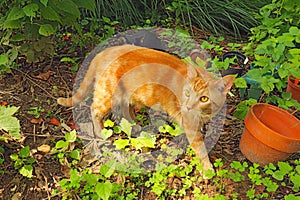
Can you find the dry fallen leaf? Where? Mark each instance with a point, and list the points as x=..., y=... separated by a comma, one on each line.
x=44, y=76
x=53, y=121
x=44, y=148
x=3, y=103
x=36, y=121
x=72, y=125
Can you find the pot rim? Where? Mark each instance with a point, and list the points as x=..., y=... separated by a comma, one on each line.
x=269, y=129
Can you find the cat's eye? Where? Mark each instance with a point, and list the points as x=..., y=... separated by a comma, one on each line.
x=187, y=93
x=204, y=99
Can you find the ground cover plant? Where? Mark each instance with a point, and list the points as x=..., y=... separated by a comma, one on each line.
x=41, y=155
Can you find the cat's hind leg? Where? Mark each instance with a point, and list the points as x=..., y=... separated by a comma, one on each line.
x=99, y=109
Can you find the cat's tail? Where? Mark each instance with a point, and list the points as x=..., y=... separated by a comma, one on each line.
x=83, y=90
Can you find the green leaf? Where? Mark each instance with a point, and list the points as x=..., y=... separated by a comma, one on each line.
x=44, y=2
x=106, y=133
x=282, y=72
x=24, y=152
x=31, y=9
x=243, y=108
x=61, y=144
x=91, y=179
x=291, y=197
x=46, y=30
x=15, y=13
x=117, y=129
x=285, y=167
x=69, y=7
x=50, y=14
x=104, y=190
x=14, y=157
x=286, y=95
x=18, y=37
x=294, y=30
x=8, y=122
x=26, y=171
x=3, y=59
x=121, y=143
x=8, y=111
x=240, y=83
x=12, y=24
x=71, y=136
x=108, y=168
x=108, y=123
x=296, y=181
x=88, y=4
x=67, y=59
x=75, y=154
x=142, y=141
x=126, y=127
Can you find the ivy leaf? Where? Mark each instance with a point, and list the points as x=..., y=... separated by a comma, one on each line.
x=285, y=167
x=87, y=4
x=71, y=136
x=15, y=13
x=3, y=59
x=12, y=24
x=121, y=143
x=75, y=154
x=31, y=9
x=44, y=2
x=283, y=72
x=106, y=133
x=108, y=168
x=243, y=108
x=294, y=30
x=104, y=190
x=50, y=14
x=240, y=82
x=26, y=171
x=24, y=152
x=108, y=123
x=145, y=140
x=286, y=95
x=61, y=144
x=8, y=122
x=46, y=30
x=126, y=127
x=69, y=7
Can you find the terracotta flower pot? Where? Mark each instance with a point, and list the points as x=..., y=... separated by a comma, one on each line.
x=271, y=134
x=294, y=87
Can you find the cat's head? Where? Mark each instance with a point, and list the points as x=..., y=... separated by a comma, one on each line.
x=204, y=95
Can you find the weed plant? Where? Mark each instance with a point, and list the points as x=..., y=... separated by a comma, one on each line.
x=217, y=17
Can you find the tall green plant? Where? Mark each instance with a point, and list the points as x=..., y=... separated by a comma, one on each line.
x=217, y=17
x=274, y=44
x=28, y=25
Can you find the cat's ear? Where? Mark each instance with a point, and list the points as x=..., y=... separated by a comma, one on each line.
x=191, y=72
x=226, y=83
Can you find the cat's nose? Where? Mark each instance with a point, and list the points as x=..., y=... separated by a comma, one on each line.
x=188, y=108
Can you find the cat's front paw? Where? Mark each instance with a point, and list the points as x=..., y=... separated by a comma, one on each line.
x=207, y=167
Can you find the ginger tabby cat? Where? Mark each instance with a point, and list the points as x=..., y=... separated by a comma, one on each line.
x=146, y=77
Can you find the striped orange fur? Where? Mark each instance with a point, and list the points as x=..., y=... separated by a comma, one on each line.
x=146, y=77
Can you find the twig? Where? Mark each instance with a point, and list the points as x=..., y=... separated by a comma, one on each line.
x=30, y=79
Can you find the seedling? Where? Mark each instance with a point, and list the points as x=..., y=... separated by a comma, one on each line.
x=64, y=149
x=144, y=140
x=73, y=61
x=23, y=162
x=36, y=111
